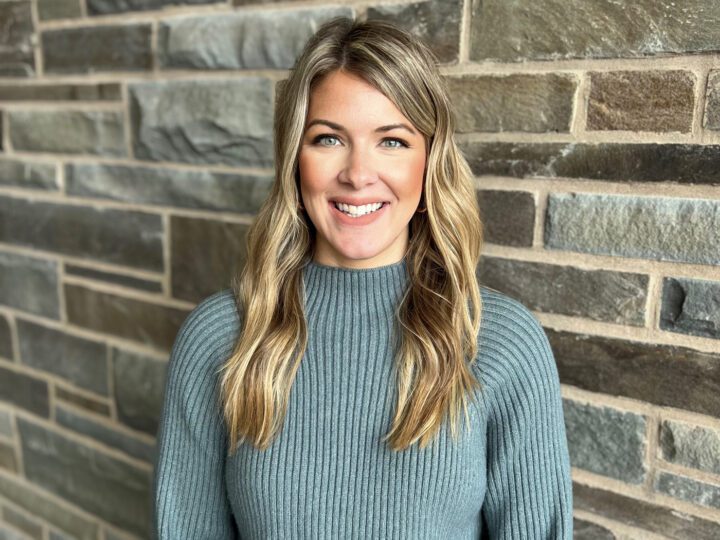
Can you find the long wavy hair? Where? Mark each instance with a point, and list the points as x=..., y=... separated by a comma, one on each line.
x=438, y=318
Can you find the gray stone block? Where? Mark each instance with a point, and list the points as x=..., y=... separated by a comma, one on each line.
x=58, y=9
x=6, y=342
x=66, y=131
x=149, y=285
x=601, y=295
x=188, y=121
x=6, y=428
x=712, y=101
x=29, y=283
x=8, y=459
x=268, y=39
x=23, y=522
x=205, y=189
x=666, y=229
x=687, y=489
x=17, y=54
x=606, y=441
x=691, y=306
x=517, y=102
x=24, y=391
x=96, y=406
x=691, y=446
x=508, y=216
x=60, y=92
x=80, y=361
x=107, y=7
x=28, y=174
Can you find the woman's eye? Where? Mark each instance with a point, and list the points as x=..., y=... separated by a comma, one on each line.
x=402, y=143
x=321, y=137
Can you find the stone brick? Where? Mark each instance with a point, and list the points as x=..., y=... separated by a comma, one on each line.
x=665, y=229
x=679, y=163
x=188, y=121
x=17, y=56
x=6, y=343
x=642, y=371
x=601, y=295
x=106, y=7
x=668, y=522
x=692, y=446
x=606, y=441
x=28, y=174
x=58, y=9
x=656, y=101
x=29, y=283
x=436, y=23
x=92, y=132
x=139, y=389
x=57, y=514
x=508, y=216
x=149, y=323
x=80, y=361
x=93, y=49
x=23, y=522
x=687, y=489
x=10, y=533
x=691, y=306
x=60, y=465
x=85, y=425
x=131, y=282
x=25, y=391
x=238, y=193
x=267, y=39
x=89, y=404
x=60, y=92
x=516, y=102
x=6, y=428
x=712, y=101
x=585, y=530
x=8, y=460
x=127, y=238
x=223, y=247
x=548, y=30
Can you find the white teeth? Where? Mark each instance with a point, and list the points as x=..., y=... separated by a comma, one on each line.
x=357, y=211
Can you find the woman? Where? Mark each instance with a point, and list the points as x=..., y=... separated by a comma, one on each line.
x=313, y=399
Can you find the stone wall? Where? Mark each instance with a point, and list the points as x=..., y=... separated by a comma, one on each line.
x=136, y=146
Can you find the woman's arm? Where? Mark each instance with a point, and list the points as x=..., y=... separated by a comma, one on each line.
x=189, y=486
x=529, y=489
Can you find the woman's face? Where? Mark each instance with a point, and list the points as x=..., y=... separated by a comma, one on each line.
x=352, y=152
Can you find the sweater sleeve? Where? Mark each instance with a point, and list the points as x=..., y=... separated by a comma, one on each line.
x=190, y=498
x=529, y=485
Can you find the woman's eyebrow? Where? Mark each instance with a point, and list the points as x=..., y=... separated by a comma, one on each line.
x=338, y=127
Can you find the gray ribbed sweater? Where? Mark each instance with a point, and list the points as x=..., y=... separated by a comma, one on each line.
x=328, y=475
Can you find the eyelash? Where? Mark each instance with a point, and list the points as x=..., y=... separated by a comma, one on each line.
x=317, y=140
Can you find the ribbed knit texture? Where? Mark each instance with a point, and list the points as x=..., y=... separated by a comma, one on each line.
x=328, y=475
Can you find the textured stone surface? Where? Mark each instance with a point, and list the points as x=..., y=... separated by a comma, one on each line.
x=691, y=306
x=679, y=163
x=23, y=522
x=28, y=174
x=6, y=429
x=8, y=460
x=81, y=361
x=665, y=229
x=548, y=30
x=24, y=391
x=117, y=279
x=641, y=101
x=8, y=533
x=92, y=49
x=601, y=295
x=121, y=237
x=223, y=247
x=188, y=121
x=240, y=40
x=59, y=515
x=139, y=389
x=28, y=283
x=687, y=489
x=132, y=446
x=60, y=464
x=642, y=371
x=148, y=322
x=712, y=101
x=606, y=441
x=436, y=23
x=60, y=92
x=668, y=522
x=6, y=344
x=508, y=216
x=516, y=102
x=58, y=9
x=104, y=7
x=168, y=187
x=689, y=445
x=65, y=131
x=84, y=402
x=17, y=57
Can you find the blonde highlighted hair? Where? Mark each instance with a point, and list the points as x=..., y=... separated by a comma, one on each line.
x=439, y=315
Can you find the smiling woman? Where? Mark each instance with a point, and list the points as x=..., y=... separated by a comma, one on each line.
x=321, y=396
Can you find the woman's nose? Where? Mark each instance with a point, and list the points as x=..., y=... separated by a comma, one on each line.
x=358, y=168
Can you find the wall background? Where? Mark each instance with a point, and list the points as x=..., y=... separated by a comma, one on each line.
x=137, y=144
